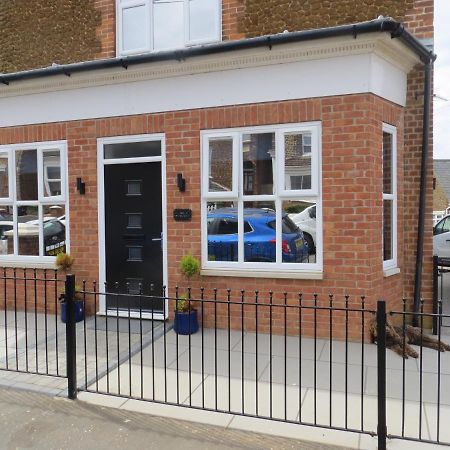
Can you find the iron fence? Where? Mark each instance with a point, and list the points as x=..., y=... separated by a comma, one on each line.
x=291, y=357
x=31, y=336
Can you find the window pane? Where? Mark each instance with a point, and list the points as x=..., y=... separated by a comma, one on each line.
x=387, y=230
x=28, y=230
x=6, y=230
x=258, y=163
x=297, y=161
x=299, y=230
x=54, y=229
x=135, y=253
x=52, y=173
x=203, y=20
x=132, y=150
x=222, y=231
x=4, y=178
x=220, y=164
x=134, y=28
x=168, y=24
x=134, y=220
x=260, y=243
x=26, y=175
x=387, y=163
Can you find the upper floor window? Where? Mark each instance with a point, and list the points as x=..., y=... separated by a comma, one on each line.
x=152, y=25
x=32, y=200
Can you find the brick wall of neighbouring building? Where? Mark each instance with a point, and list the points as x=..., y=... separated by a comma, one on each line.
x=352, y=205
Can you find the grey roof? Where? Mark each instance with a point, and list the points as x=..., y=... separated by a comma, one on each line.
x=442, y=173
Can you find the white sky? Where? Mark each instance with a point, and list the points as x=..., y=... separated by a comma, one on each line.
x=442, y=79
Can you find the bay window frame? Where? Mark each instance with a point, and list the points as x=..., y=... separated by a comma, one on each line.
x=279, y=195
x=15, y=258
x=391, y=197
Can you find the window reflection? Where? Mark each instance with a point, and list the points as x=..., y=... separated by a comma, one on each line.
x=297, y=157
x=52, y=173
x=259, y=166
x=26, y=175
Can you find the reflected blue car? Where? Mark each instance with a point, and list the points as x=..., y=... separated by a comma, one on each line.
x=259, y=237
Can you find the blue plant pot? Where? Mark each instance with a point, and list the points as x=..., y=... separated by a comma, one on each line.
x=79, y=311
x=185, y=322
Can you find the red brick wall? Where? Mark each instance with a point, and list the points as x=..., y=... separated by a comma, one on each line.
x=351, y=175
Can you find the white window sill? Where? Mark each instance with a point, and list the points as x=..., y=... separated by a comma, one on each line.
x=28, y=264
x=391, y=271
x=310, y=275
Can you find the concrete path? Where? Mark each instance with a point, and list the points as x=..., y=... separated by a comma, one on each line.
x=30, y=420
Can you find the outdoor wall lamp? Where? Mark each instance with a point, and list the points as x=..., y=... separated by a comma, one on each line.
x=181, y=182
x=81, y=187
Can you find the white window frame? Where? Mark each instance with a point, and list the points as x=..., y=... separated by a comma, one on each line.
x=41, y=147
x=149, y=47
x=281, y=194
x=390, y=263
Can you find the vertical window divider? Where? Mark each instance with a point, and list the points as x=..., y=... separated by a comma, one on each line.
x=238, y=176
x=41, y=229
x=279, y=188
x=186, y=22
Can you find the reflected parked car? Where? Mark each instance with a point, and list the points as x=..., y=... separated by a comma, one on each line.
x=441, y=238
x=259, y=237
x=306, y=221
x=54, y=231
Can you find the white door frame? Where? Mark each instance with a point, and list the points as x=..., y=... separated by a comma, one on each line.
x=101, y=162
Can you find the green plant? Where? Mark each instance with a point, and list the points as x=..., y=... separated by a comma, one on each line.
x=189, y=266
x=78, y=292
x=182, y=304
x=64, y=262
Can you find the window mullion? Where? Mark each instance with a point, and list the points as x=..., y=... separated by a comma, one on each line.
x=186, y=22
x=278, y=232
x=41, y=230
x=241, y=247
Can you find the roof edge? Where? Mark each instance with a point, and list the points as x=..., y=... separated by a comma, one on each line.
x=396, y=29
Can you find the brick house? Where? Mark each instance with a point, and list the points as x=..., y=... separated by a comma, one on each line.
x=272, y=105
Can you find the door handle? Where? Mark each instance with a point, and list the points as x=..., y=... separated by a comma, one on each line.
x=156, y=239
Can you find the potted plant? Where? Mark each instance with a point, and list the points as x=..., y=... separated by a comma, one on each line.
x=64, y=263
x=186, y=320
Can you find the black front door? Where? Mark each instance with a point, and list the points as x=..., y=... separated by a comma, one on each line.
x=133, y=236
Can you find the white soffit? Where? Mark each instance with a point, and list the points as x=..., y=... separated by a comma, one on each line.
x=371, y=63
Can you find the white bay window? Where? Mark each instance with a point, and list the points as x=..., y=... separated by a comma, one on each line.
x=32, y=201
x=256, y=214
x=389, y=153
x=153, y=25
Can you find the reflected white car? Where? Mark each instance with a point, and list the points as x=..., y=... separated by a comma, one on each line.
x=441, y=238
x=306, y=221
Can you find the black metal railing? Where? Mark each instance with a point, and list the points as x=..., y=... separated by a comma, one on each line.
x=281, y=356
x=290, y=357
x=31, y=335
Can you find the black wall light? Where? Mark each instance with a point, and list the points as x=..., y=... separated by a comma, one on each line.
x=81, y=187
x=181, y=182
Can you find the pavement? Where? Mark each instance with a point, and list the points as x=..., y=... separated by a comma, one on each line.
x=37, y=421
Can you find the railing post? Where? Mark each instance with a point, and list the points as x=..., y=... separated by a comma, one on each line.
x=71, y=338
x=381, y=373
x=435, y=293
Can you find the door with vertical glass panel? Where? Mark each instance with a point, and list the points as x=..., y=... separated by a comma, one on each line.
x=133, y=236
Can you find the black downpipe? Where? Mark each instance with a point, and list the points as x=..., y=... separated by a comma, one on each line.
x=423, y=187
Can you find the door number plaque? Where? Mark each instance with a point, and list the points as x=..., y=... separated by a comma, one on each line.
x=182, y=215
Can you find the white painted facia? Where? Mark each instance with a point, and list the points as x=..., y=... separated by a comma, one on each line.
x=372, y=63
